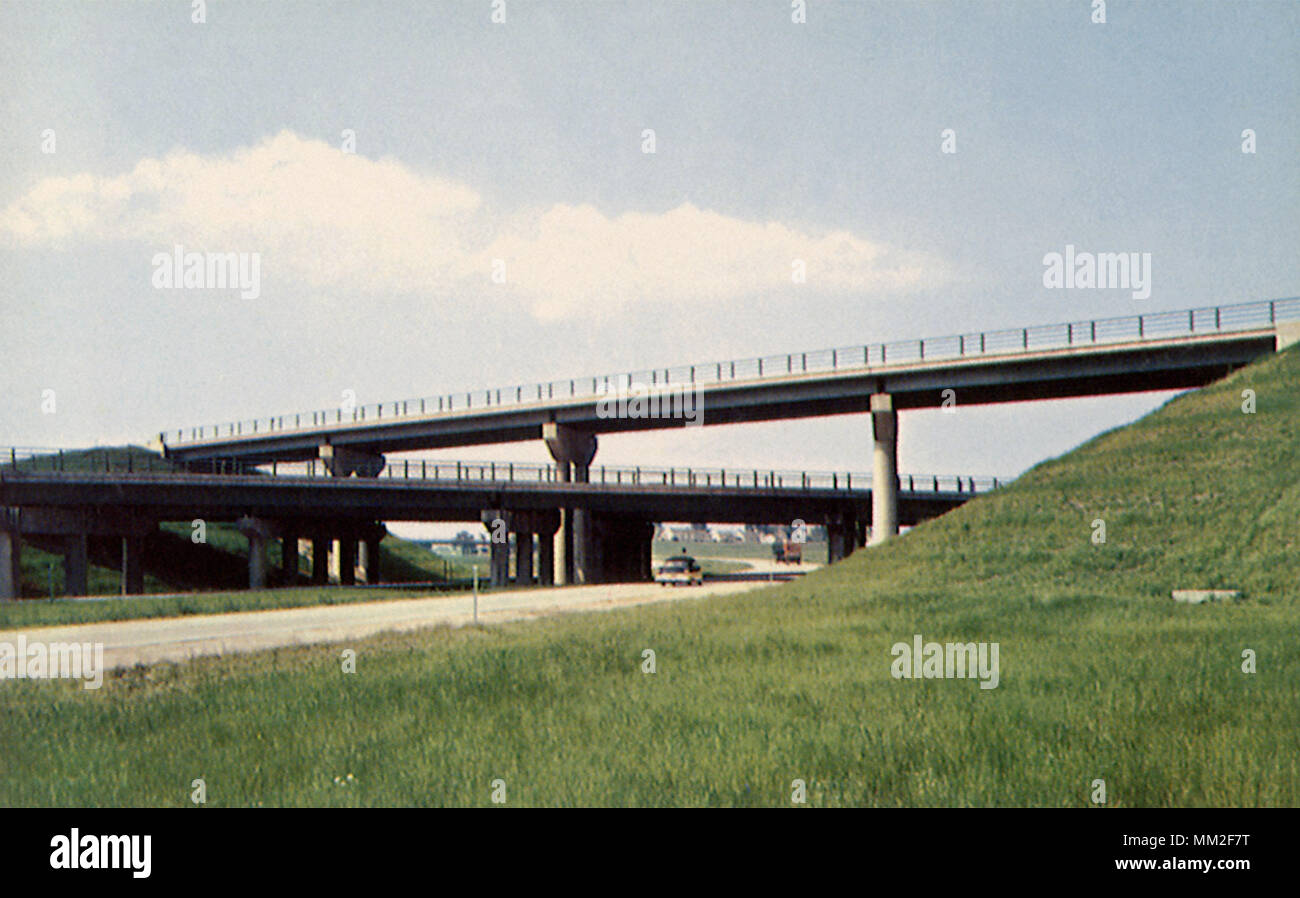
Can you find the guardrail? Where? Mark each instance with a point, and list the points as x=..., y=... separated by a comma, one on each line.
x=33, y=460
x=1092, y=332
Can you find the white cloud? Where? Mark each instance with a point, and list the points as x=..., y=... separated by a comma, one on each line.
x=328, y=219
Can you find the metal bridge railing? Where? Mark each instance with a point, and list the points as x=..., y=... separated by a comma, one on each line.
x=1097, y=331
x=16, y=460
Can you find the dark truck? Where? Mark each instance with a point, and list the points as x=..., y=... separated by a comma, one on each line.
x=787, y=551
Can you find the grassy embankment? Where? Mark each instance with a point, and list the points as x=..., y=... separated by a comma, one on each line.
x=1102, y=675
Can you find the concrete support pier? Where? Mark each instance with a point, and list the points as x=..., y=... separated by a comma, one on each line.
x=546, y=524
x=573, y=451
x=499, y=564
x=546, y=559
x=258, y=532
x=289, y=559
x=348, y=560
x=370, y=547
x=342, y=462
x=11, y=549
x=499, y=551
x=524, y=557
x=76, y=565
x=884, y=469
x=320, y=560
x=132, y=565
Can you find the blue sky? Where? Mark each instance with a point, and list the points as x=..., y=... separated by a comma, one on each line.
x=523, y=141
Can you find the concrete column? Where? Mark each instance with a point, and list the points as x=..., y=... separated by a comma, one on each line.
x=371, y=547
x=11, y=550
x=562, y=539
x=76, y=565
x=576, y=448
x=837, y=542
x=524, y=557
x=348, y=560
x=585, y=563
x=335, y=574
x=546, y=559
x=560, y=551
x=884, y=469
x=320, y=561
x=256, y=561
x=289, y=560
x=499, y=564
x=258, y=532
x=498, y=552
x=132, y=565
x=647, y=553
x=546, y=525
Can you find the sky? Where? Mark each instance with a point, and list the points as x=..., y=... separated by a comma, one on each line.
x=385, y=160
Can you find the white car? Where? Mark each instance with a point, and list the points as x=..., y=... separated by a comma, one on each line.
x=680, y=570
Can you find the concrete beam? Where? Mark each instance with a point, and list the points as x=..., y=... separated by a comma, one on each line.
x=1288, y=334
x=102, y=521
x=884, y=469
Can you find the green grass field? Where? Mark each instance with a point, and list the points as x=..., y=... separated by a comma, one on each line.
x=1102, y=675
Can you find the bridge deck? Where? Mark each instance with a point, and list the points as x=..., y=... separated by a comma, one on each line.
x=1164, y=351
x=179, y=496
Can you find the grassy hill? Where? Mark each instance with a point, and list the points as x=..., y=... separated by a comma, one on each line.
x=1102, y=675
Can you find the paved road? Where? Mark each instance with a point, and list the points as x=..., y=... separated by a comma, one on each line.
x=770, y=566
x=127, y=643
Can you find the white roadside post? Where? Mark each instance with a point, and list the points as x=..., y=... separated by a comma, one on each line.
x=476, y=595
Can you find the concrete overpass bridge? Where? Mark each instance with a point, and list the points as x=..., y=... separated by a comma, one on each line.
x=522, y=506
x=1141, y=353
